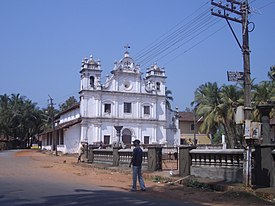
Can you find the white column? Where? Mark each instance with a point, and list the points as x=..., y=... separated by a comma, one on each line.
x=139, y=133
x=97, y=137
x=99, y=133
x=96, y=107
x=84, y=133
x=223, y=142
x=138, y=109
x=99, y=107
x=154, y=134
x=154, y=111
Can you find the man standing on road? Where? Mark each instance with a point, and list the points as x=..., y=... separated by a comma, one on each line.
x=137, y=162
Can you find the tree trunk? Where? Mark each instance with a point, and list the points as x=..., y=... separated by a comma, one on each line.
x=230, y=136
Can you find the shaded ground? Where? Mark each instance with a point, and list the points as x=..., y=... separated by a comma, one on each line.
x=120, y=179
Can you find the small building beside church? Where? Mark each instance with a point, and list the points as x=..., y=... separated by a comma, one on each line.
x=189, y=125
x=126, y=98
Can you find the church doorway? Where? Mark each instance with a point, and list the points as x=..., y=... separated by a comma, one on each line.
x=127, y=137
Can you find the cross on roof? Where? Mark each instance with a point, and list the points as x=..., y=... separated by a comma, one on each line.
x=127, y=47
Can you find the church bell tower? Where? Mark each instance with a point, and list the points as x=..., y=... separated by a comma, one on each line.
x=90, y=74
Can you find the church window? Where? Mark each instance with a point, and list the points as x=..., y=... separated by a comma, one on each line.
x=92, y=81
x=127, y=107
x=106, y=139
x=107, y=108
x=146, y=110
x=158, y=86
x=146, y=139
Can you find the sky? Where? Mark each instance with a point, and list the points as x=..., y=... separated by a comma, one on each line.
x=43, y=42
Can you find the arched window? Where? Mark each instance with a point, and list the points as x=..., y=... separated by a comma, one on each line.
x=126, y=132
x=92, y=81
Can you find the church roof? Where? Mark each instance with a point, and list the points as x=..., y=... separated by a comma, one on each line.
x=188, y=117
x=90, y=63
x=155, y=70
x=126, y=64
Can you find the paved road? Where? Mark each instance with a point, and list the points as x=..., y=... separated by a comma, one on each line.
x=24, y=183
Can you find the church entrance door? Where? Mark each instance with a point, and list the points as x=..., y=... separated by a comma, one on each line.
x=127, y=137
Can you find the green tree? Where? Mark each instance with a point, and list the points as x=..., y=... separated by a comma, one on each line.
x=205, y=104
x=19, y=118
x=271, y=73
x=217, y=106
x=5, y=116
x=231, y=98
x=168, y=98
x=264, y=92
x=70, y=102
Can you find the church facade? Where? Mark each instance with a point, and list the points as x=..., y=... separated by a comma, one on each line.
x=128, y=100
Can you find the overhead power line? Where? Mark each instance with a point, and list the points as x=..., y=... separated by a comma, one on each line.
x=174, y=38
x=191, y=30
x=194, y=35
x=268, y=4
x=171, y=29
x=191, y=47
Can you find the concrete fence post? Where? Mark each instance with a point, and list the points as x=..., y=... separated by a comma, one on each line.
x=264, y=166
x=264, y=162
x=154, y=158
x=90, y=153
x=115, y=156
x=185, y=160
x=86, y=152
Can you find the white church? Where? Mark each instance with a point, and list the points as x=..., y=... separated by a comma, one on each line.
x=126, y=98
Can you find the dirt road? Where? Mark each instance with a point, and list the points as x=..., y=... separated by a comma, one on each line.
x=66, y=168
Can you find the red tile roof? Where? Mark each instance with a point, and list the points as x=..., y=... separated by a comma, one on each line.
x=186, y=116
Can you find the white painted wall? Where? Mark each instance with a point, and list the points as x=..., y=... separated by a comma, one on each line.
x=69, y=116
x=72, y=139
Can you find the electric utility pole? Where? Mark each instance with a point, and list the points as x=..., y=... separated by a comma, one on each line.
x=237, y=11
x=51, y=114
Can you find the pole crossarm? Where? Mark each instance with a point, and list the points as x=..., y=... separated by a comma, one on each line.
x=234, y=2
x=227, y=8
x=226, y=17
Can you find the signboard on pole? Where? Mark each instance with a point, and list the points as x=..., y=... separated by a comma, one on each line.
x=235, y=76
x=252, y=130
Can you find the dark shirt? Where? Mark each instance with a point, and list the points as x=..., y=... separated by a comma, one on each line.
x=137, y=156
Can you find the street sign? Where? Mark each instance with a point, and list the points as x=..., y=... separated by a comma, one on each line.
x=235, y=76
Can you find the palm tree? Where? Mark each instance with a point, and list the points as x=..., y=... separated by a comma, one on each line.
x=217, y=106
x=231, y=98
x=168, y=98
x=5, y=116
x=206, y=101
x=263, y=93
x=68, y=104
x=31, y=122
x=19, y=118
x=271, y=73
